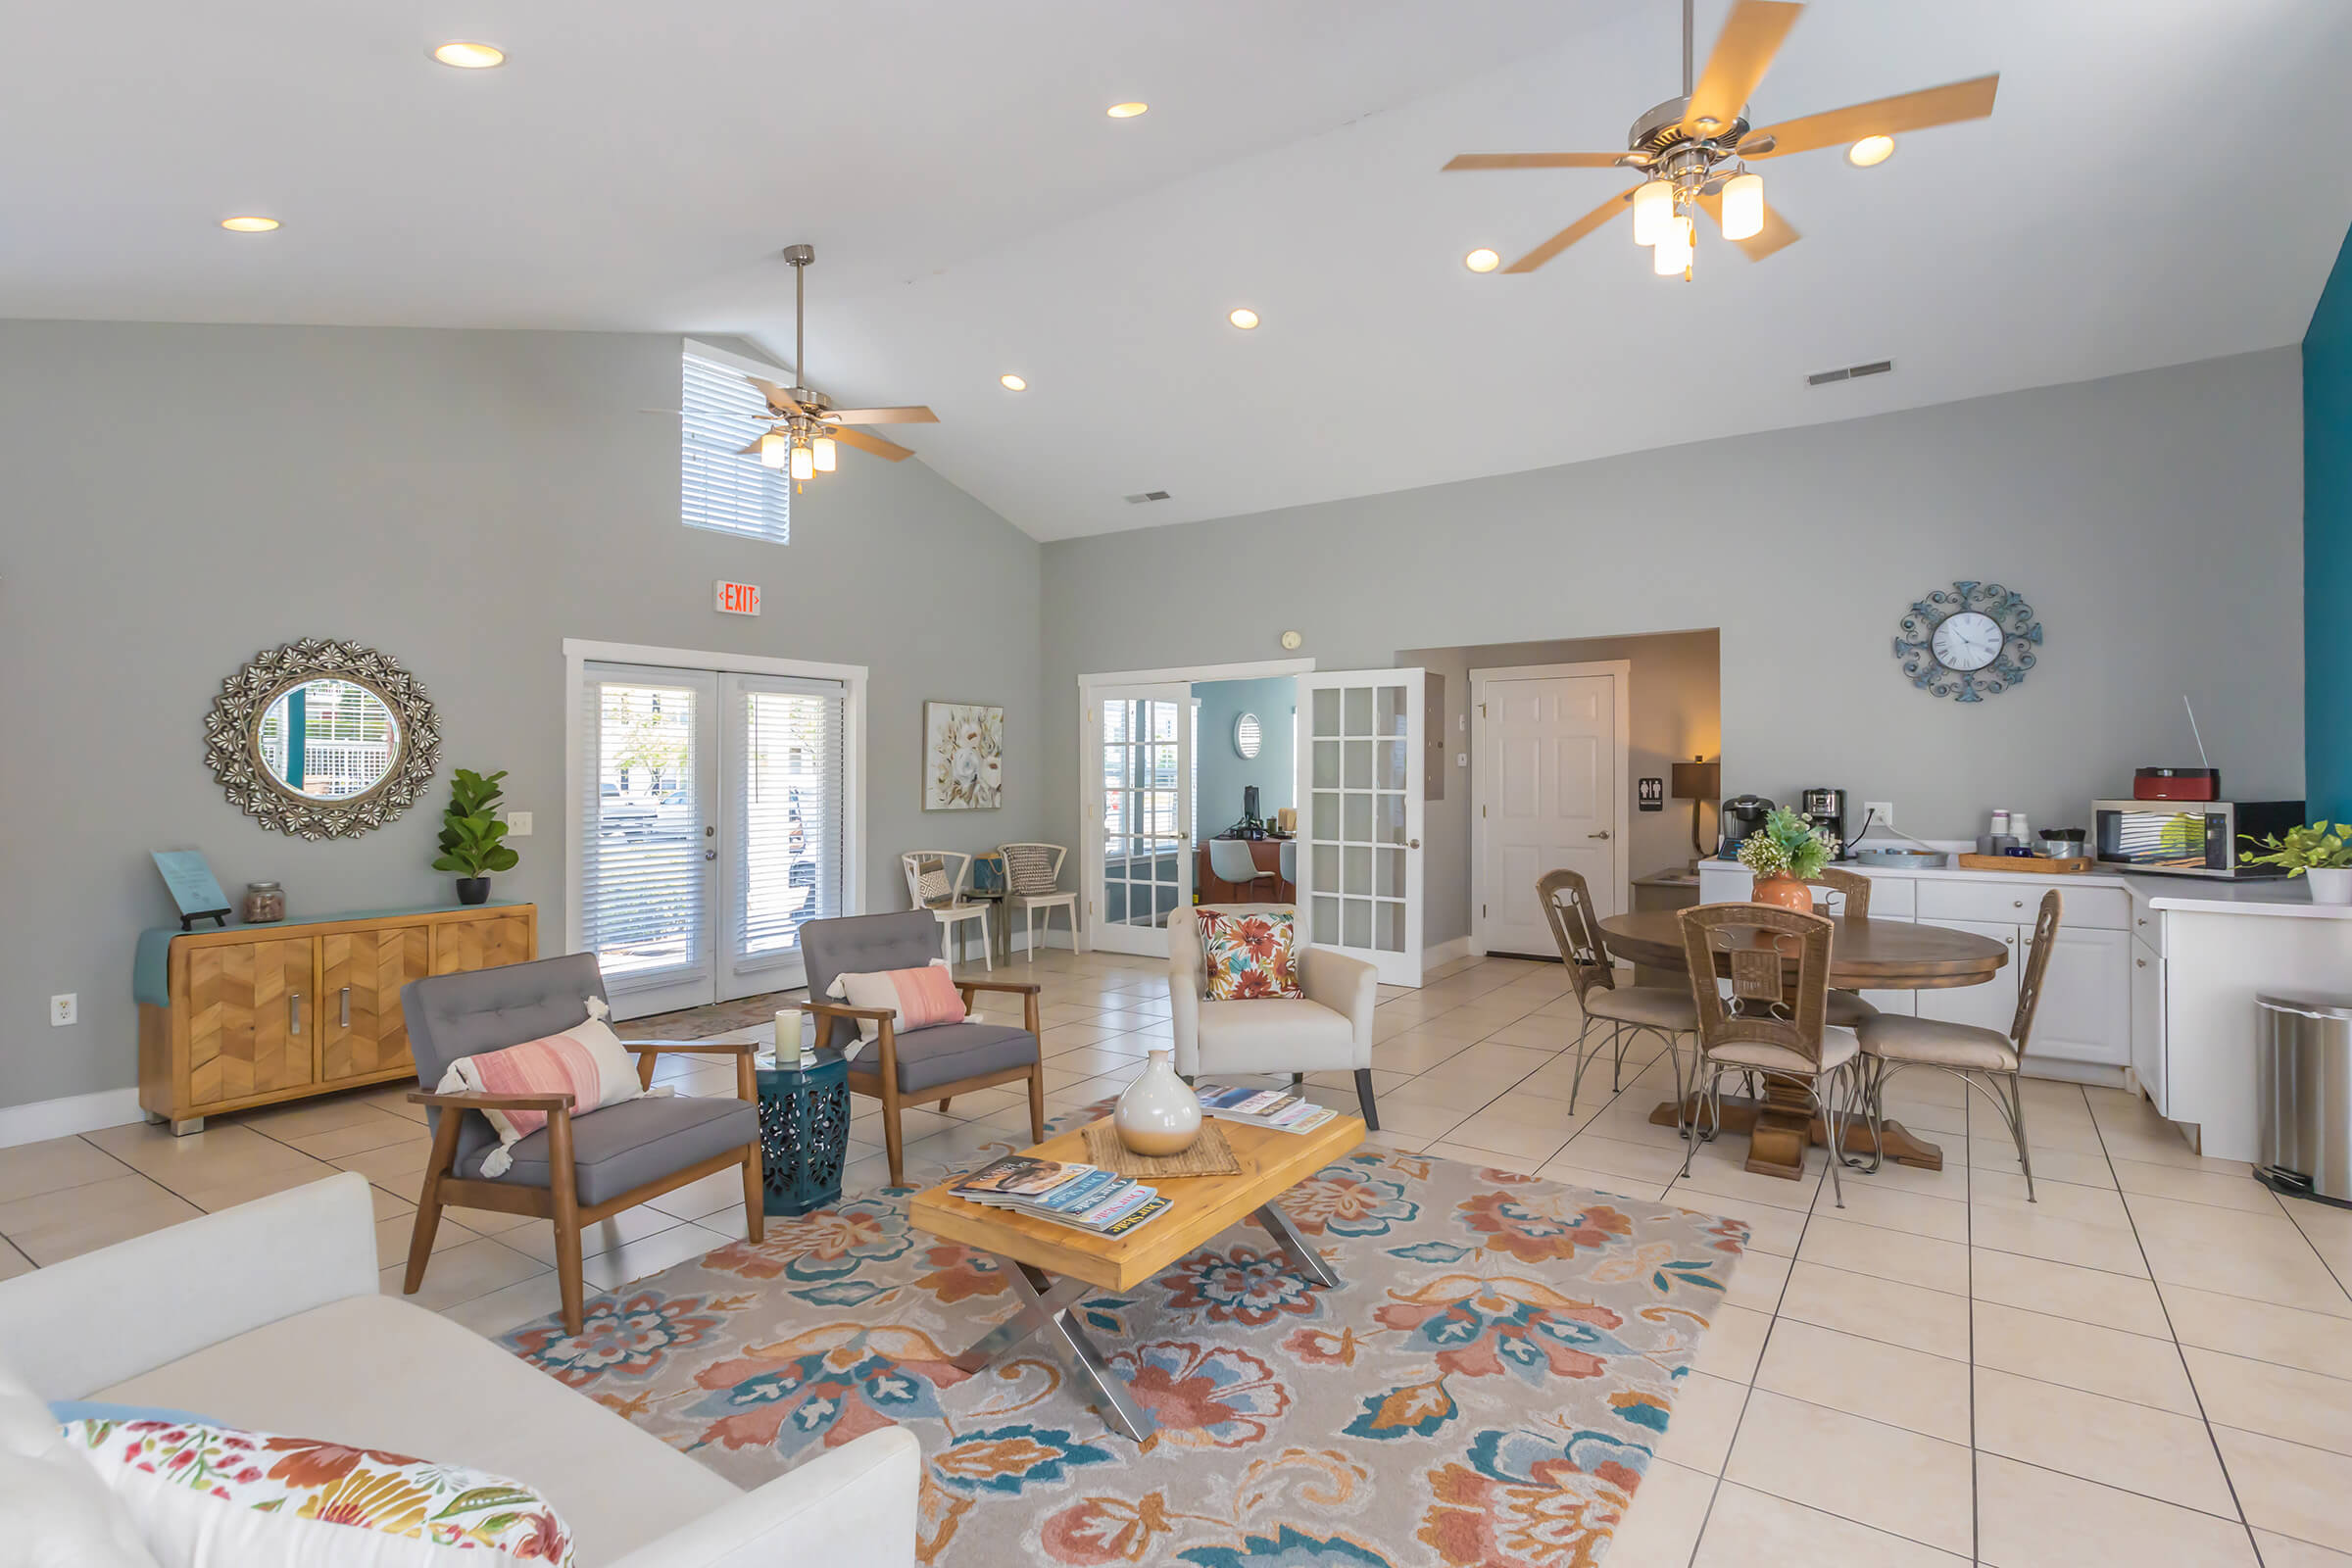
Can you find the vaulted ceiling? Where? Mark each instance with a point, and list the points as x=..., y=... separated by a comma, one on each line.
x=2140, y=197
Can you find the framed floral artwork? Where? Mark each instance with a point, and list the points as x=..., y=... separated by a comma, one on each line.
x=963, y=757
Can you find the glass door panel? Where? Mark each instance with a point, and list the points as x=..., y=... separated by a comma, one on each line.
x=648, y=856
x=1362, y=868
x=1139, y=855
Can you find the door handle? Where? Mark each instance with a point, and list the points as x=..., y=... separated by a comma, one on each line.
x=1412, y=844
x=293, y=1012
x=343, y=1019
x=1602, y=834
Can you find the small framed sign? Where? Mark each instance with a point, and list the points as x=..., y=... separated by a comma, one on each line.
x=1650, y=794
x=738, y=597
x=193, y=887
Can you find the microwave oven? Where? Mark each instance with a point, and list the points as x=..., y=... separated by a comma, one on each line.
x=2188, y=838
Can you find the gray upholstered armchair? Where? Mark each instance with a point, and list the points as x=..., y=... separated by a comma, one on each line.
x=575, y=1170
x=936, y=1063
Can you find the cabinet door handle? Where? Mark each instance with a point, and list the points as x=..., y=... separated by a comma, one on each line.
x=2017, y=904
x=344, y=1019
x=2143, y=919
x=2142, y=962
x=293, y=1012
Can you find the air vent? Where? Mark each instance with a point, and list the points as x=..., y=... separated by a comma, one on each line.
x=1852, y=372
x=1149, y=494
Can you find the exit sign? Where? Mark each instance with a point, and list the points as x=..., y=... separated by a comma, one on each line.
x=739, y=598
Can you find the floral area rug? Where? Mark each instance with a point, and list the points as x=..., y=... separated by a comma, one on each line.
x=1486, y=1386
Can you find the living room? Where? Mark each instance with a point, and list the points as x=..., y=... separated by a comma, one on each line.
x=508, y=367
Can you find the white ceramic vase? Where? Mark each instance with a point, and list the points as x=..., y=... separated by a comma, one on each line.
x=1159, y=1114
x=2330, y=884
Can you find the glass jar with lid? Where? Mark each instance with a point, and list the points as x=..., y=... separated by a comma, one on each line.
x=265, y=903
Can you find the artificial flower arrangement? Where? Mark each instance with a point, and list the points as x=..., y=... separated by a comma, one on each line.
x=1788, y=845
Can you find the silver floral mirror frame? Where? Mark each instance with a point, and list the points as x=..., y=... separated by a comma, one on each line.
x=233, y=749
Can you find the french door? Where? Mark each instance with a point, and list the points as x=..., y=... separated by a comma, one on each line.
x=1359, y=877
x=1139, y=850
x=711, y=827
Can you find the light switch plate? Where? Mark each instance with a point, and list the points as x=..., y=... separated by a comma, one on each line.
x=1883, y=810
x=518, y=824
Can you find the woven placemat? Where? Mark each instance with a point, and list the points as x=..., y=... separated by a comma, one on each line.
x=1209, y=1155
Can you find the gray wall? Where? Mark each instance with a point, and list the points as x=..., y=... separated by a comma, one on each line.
x=1677, y=713
x=177, y=498
x=2154, y=521
x=1223, y=772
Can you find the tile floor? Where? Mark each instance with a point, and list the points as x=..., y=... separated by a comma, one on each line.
x=2153, y=1364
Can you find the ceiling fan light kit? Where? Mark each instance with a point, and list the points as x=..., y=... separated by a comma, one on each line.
x=1693, y=149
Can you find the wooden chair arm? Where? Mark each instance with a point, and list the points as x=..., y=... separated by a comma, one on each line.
x=719, y=1047
x=841, y=1009
x=550, y=1103
x=1020, y=988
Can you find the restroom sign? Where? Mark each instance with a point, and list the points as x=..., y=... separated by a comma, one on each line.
x=738, y=597
x=1651, y=793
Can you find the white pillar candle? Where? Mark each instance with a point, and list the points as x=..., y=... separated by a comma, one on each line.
x=788, y=1037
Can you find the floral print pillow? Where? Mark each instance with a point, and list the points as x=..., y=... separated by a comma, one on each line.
x=1245, y=955
x=206, y=1495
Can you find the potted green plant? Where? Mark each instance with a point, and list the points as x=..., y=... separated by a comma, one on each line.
x=2317, y=852
x=1783, y=854
x=470, y=834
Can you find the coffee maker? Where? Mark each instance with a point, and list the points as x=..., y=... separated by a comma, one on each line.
x=1827, y=808
x=1740, y=816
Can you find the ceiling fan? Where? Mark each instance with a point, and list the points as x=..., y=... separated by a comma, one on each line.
x=1693, y=148
x=805, y=423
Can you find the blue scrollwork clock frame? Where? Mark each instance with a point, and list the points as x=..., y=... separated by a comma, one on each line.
x=2021, y=635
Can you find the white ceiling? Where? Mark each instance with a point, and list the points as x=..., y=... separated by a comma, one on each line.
x=974, y=212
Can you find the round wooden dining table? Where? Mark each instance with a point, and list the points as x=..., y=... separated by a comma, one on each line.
x=1864, y=955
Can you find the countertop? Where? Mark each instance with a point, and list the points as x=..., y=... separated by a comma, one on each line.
x=2273, y=896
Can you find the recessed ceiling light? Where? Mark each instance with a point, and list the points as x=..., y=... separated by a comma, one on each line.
x=1869, y=149
x=1127, y=111
x=1481, y=260
x=249, y=224
x=1013, y=384
x=471, y=56
x=1244, y=317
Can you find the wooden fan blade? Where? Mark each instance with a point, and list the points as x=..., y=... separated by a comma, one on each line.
x=1533, y=161
x=1885, y=117
x=777, y=398
x=1751, y=35
x=1776, y=235
x=914, y=413
x=870, y=443
x=1573, y=232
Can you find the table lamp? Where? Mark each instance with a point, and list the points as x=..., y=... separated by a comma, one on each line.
x=1696, y=781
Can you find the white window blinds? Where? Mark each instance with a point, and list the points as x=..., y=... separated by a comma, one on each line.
x=718, y=489
x=786, y=786
x=643, y=885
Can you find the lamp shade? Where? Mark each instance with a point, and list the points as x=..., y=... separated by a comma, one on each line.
x=1654, y=210
x=1698, y=781
x=1742, y=207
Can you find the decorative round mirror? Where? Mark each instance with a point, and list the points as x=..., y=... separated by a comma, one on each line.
x=322, y=740
x=1248, y=736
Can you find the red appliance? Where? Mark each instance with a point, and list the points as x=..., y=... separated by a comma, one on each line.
x=2176, y=784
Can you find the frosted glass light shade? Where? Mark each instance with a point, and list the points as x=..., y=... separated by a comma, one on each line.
x=804, y=463
x=1671, y=256
x=827, y=453
x=1653, y=211
x=1744, y=207
x=772, y=448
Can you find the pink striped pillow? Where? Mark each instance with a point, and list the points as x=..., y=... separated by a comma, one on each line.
x=920, y=997
x=587, y=1061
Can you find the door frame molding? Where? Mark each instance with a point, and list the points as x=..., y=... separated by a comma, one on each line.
x=1090, y=762
x=580, y=651
x=1620, y=672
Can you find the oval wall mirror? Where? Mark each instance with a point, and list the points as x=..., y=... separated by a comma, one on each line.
x=1248, y=736
x=322, y=740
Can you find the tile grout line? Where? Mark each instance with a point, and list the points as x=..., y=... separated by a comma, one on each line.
x=2221, y=1460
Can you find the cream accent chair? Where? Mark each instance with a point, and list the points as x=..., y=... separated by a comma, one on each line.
x=952, y=909
x=1327, y=1030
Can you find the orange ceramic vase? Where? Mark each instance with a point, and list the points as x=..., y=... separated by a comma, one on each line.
x=1786, y=890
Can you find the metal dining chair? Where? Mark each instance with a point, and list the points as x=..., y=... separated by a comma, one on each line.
x=1770, y=1024
x=1628, y=1011
x=1233, y=860
x=1986, y=1060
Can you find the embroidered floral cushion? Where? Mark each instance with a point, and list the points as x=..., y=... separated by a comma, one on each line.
x=1245, y=955
x=211, y=1497
x=920, y=997
x=587, y=1061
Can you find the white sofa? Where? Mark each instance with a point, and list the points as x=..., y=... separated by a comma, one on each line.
x=1327, y=1030
x=267, y=1316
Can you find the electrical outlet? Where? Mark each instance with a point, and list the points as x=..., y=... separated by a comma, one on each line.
x=518, y=824
x=1461, y=759
x=64, y=1010
x=1884, y=811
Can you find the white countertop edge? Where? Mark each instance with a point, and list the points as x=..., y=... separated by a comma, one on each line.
x=2287, y=897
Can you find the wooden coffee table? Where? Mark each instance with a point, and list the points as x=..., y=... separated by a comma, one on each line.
x=1052, y=1266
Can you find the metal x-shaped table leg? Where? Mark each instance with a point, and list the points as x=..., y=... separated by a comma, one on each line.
x=1044, y=1313
x=1309, y=1263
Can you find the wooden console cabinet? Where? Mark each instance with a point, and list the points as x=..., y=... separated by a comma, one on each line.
x=253, y=1016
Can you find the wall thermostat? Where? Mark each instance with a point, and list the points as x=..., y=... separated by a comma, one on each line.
x=1292, y=639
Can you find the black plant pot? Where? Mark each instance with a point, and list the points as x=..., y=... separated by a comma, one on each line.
x=474, y=890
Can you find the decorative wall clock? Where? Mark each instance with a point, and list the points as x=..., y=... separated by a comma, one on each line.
x=1971, y=641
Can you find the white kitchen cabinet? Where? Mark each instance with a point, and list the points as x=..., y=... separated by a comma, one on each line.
x=2085, y=1008
x=2147, y=1021
x=1990, y=1006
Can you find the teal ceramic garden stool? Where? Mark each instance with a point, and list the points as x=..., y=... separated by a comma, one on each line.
x=803, y=1132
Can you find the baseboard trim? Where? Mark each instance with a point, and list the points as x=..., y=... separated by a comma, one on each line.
x=1444, y=953
x=62, y=1118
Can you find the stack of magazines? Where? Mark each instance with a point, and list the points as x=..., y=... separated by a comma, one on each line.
x=1282, y=1109
x=1087, y=1197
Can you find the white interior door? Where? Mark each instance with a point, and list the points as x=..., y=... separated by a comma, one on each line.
x=1547, y=797
x=648, y=834
x=780, y=832
x=1138, y=853
x=1360, y=871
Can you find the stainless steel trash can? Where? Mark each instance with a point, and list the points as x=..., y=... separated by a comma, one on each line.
x=2304, y=1045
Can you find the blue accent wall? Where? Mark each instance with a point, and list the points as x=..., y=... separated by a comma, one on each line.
x=2328, y=547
